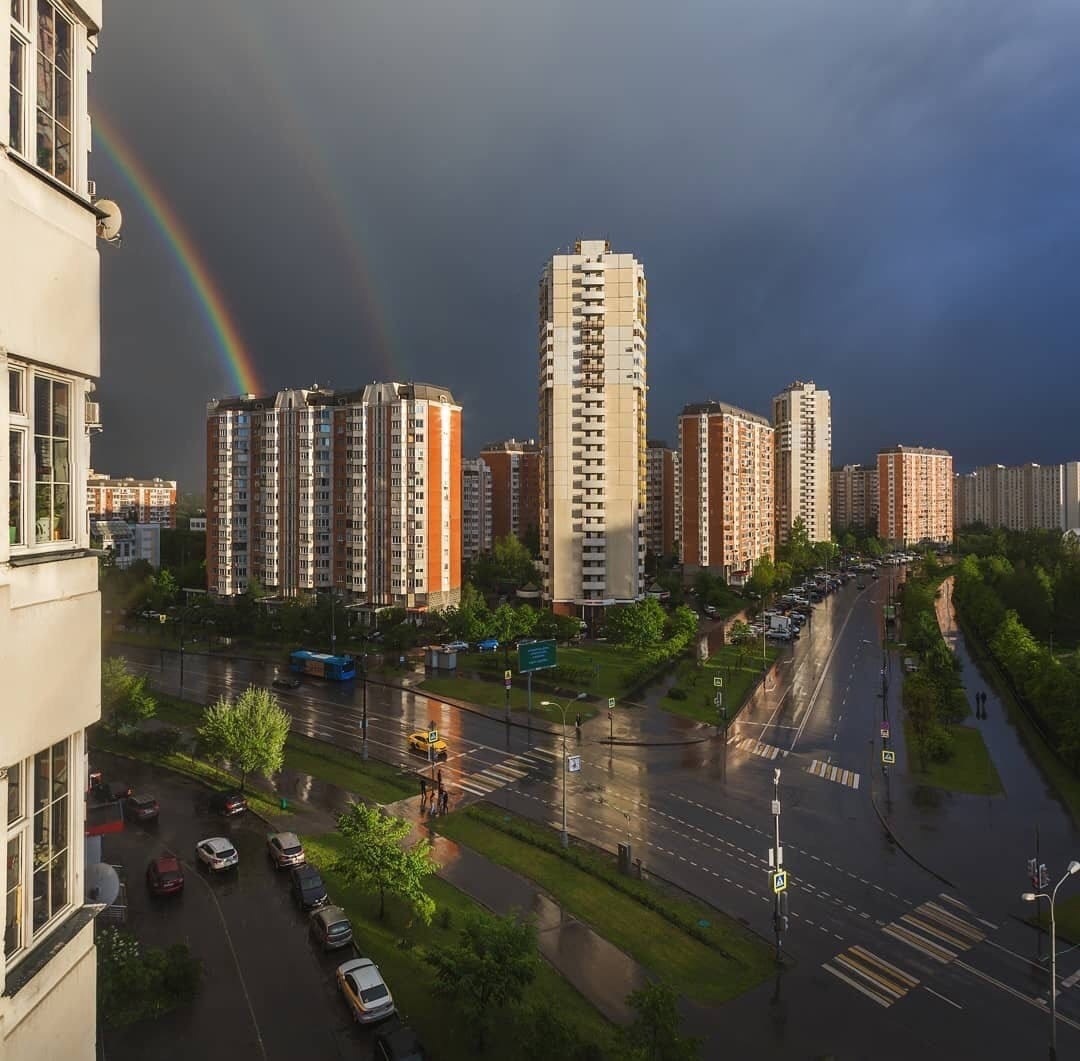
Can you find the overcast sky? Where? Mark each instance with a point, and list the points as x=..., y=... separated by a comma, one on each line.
x=878, y=195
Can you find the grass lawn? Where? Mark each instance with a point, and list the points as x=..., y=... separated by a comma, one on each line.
x=723, y=963
x=969, y=770
x=1066, y=916
x=493, y=694
x=398, y=945
x=738, y=665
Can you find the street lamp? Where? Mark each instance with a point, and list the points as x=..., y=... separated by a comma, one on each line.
x=559, y=707
x=1030, y=897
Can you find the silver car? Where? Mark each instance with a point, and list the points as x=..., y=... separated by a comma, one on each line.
x=331, y=927
x=217, y=853
x=285, y=850
x=365, y=990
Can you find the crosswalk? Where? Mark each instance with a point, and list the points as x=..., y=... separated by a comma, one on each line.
x=482, y=779
x=756, y=747
x=833, y=773
x=871, y=975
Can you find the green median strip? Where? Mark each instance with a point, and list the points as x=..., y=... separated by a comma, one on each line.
x=701, y=952
x=398, y=946
x=739, y=667
x=970, y=769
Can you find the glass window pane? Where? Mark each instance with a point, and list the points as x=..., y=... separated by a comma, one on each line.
x=41, y=896
x=61, y=400
x=42, y=779
x=43, y=513
x=44, y=84
x=62, y=91
x=42, y=402
x=63, y=154
x=16, y=10
x=14, y=781
x=15, y=488
x=46, y=28
x=42, y=844
x=61, y=512
x=13, y=921
x=15, y=76
x=59, y=884
x=44, y=141
x=15, y=397
x=15, y=132
x=60, y=824
x=60, y=769
x=43, y=459
x=61, y=469
x=63, y=44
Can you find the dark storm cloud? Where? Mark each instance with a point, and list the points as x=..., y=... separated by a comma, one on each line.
x=877, y=196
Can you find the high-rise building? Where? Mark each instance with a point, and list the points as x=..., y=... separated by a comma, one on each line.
x=726, y=455
x=915, y=502
x=1070, y=495
x=50, y=608
x=515, y=488
x=592, y=340
x=475, y=508
x=132, y=500
x=965, y=506
x=802, y=418
x=663, y=499
x=356, y=490
x=854, y=489
x=1020, y=497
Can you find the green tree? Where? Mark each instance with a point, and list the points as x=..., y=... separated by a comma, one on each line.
x=489, y=967
x=684, y=622
x=874, y=548
x=543, y=1035
x=638, y=625
x=763, y=578
x=739, y=632
x=249, y=732
x=125, y=698
x=163, y=590
x=654, y=1034
x=375, y=858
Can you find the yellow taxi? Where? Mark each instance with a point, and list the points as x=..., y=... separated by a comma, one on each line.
x=418, y=742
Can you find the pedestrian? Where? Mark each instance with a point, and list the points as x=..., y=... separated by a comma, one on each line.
x=423, y=791
x=444, y=801
x=438, y=778
x=577, y=724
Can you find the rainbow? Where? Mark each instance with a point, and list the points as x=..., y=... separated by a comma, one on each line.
x=187, y=255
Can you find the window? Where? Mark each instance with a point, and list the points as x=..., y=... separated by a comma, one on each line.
x=16, y=443
x=16, y=91
x=52, y=460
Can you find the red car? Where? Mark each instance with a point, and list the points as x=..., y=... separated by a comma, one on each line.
x=165, y=875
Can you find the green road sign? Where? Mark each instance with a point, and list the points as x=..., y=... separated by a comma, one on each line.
x=888, y=756
x=433, y=736
x=540, y=655
x=779, y=881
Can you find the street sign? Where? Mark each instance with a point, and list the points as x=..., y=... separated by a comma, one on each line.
x=507, y=675
x=718, y=681
x=888, y=756
x=573, y=763
x=162, y=618
x=885, y=730
x=779, y=881
x=718, y=699
x=539, y=655
x=433, y=736
x=610, y=702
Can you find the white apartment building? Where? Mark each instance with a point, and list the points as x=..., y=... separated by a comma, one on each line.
x=355, y=490
x=1070, y=495
x=475, y=507
x=50, y=609
x=728, y=514
x=1020, y=497
x=127, y=542
x=802, y=419
x=592, y=384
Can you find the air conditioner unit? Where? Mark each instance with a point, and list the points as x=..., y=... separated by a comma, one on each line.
x=92, y=415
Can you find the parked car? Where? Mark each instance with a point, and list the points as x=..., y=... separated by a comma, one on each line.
x=142, y=808
x=710, y=611
x=418, y=742
x=217, y=853
x=308, y=888
x=165, y=875
x=489, y=644
x=456, y=646
x=331, y=927
x=285, y=849
x=228, y=803
x=399, y=1044
x=284, y=681
x=365, y=991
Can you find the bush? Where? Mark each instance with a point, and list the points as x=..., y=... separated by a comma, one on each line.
x=676, y=693
x=163, y=742
x=136, y=983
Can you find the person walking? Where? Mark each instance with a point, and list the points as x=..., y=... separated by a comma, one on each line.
x=438, y=779
x=423, y=792
x=444, y=801
x=577, y=725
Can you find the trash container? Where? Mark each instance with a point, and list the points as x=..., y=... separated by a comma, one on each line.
x=283, y=803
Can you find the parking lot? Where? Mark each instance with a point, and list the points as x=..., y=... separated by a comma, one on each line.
x=268, y=992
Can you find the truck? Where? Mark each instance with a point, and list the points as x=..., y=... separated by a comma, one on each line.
x=779, y=626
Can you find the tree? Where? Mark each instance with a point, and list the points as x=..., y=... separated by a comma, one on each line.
x=374, y=858
x=249, y=732
x=543, y=1035
x=763, y=578
x=125, y=699
x=489, y=967
x=637, y=625
x=739, y=632
x=684, y=622
x=654, y=1034
x=163, y=590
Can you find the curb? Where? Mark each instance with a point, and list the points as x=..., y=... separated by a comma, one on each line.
x=891, y=834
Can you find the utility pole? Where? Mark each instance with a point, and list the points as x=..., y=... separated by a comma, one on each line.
x=778, y=875
x=363, y=709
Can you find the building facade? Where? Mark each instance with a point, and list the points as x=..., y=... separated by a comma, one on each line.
x=915, y=498
x=515, y=488
x=132, y=500
x=854, y=489
x=1021, y=497
x=802, y=419
x=663, y=500
x=358, y=491
x=475, y=508
x=592, y=386
x=728, y=484
x=50, y=608
x=1070, y=495
x=965, y=505
x=127, y=542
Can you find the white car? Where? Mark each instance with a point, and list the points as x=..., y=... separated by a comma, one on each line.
x=365, y=990
x=217, y=853
x=285, y=849
x=456, y=646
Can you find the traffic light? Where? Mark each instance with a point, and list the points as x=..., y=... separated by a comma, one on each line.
x=1033, y=872
x=1044, y=876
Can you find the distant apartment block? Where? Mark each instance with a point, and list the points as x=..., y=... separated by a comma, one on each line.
x=854, y=489
x=127, y=542
x=357, y=490
x=728, y=502
x=915, y=499
x=475, y=508
x=197, y=523
x=592, y=397
x=1020, y=498
x=1070, y=495
x=132, y=500
x=802, y=419
x=515, y=488
x=663, y=499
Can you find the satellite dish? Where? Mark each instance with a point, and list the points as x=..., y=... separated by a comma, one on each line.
x=102, y=884
x=108, y=226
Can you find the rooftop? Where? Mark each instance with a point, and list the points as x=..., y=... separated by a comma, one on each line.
x=713, y=408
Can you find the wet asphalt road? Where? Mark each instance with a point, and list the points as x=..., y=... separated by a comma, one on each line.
x=879, y=971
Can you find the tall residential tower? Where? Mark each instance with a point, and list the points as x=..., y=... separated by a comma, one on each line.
x=592, y=347
x=802, y=417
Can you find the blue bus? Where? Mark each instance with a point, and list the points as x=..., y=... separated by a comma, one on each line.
x=322, y=665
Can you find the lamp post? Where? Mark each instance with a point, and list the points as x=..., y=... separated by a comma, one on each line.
x=363, y=717
x=561, y=708
x=1030, y=897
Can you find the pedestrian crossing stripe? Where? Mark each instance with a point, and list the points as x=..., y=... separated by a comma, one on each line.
x=871, y=975
x=834, y=773
x=936, y=932
x=756, y=747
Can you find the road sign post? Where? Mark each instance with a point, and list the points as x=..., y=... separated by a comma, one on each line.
x=778, y=875
x=718, y=681
x=888, y=757
x=538, y=655
x=573, y=763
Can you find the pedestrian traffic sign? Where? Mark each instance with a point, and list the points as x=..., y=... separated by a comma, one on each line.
x=779, y=881
x=507, y=675
x=718, y=699
x=573, y=763
x=610, y=702
x=433, y=736
x=885, y=730
x=718, y=681
x=888, y=756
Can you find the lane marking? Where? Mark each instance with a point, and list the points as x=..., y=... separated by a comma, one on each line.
x=884, y=1003
x=944, y=999
x=1039, y=1003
